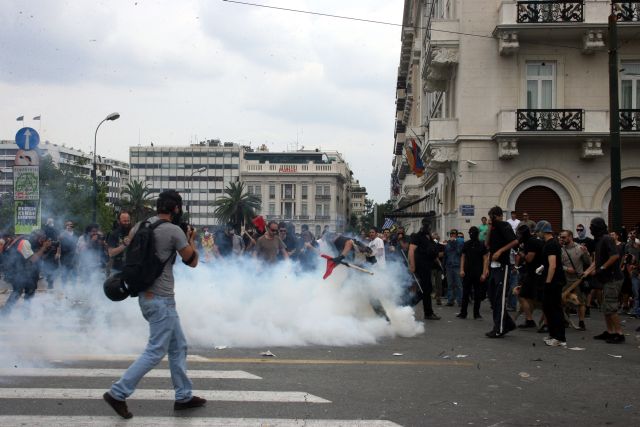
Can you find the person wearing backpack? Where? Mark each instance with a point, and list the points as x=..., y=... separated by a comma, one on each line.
x=20, y=264
x=158, y=307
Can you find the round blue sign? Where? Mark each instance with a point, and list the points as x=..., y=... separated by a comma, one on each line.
x=27, y=139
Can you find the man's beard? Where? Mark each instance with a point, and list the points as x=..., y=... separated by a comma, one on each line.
x=176, y=218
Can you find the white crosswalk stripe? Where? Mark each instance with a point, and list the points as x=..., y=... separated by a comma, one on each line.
x=156, y=394
x=73, y=421
x=116, y=373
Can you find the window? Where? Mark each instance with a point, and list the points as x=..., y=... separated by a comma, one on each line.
x=305, y=192
x=288, y=191
x=629, y=87
x=272, y=208
x=272, y=192
x=541, y=86
x=288, y=210
x=304, y=209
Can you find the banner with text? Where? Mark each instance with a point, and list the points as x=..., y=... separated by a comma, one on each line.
x=27, y=216
x=26, y=183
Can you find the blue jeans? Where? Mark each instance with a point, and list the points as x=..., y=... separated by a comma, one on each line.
x=454, y=284
x=165, y=336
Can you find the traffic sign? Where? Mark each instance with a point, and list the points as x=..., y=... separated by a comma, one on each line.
x=27, y=139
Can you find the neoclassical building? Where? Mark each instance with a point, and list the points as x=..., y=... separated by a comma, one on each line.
x=508, y=102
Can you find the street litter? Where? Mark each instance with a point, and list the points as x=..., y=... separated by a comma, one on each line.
x=267, y=354
x=398, y=354
x=462, y=356
x=221, y=347
x=628, y=406
x=524, y=375
x=577, y=348
x=446, y=356
x=617, y=356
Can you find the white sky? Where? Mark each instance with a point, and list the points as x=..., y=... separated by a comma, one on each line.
x=181, y=71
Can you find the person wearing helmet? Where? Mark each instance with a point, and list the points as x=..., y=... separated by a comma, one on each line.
x=158, y=307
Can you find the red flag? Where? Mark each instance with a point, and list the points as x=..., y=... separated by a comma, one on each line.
x=260, y=223
x=330, y=266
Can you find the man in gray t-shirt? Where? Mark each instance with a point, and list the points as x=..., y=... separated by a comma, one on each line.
x=158, y=307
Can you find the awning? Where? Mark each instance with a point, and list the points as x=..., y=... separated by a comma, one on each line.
x=408, y=205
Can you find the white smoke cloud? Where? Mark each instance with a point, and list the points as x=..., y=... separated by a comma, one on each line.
x=234, y=303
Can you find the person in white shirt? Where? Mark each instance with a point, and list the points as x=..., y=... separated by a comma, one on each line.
x=377, y=246
x=514, y=222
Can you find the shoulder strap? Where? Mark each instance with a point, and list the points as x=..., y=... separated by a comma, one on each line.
x=157, y=223
x=570, y=259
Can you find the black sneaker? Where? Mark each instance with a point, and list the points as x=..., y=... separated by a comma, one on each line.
x=461, y=315
x=615, y=339
x=581, y=326
x=603, y=336
x=527, y=324
x=120, y=406
x=194, y=402
x=449, y=304
x=477, y=317
x=494, y=334
x=432, y=316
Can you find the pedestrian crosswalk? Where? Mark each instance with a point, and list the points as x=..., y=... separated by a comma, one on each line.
x=18, y=385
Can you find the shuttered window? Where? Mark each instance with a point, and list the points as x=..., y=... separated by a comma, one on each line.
x=630, y=207
x=541, y=203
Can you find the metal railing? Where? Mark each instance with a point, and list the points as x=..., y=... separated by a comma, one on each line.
x=323, y=217
x=549, y=120
x=629, y=120
x=548, y=11
x=323, y=196
x=626, y=11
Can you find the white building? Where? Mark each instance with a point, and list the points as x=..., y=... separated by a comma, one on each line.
x=358, y=198
x=302, y=187
x=509, y=103
x=200, y=172
x=113, y=172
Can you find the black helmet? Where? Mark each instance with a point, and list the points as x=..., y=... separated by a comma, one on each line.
x=115, y=288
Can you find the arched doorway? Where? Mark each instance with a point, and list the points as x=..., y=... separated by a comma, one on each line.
x=630, y=207
x=540, y=203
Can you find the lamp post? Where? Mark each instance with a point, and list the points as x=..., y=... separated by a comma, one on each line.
x=189, y=187
x=112, y=116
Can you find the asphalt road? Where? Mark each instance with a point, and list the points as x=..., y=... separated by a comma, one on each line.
x=451, y=375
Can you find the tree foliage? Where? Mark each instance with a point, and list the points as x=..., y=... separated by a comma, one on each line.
x=138, y=200
x=237, y=206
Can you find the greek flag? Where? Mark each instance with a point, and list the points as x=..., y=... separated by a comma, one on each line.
x=388, y=223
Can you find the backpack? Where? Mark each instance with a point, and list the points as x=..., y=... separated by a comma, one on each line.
x=15, y=267
x=142, y=266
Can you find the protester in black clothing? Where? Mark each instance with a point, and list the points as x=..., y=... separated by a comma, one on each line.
x=474, y=272
x=607, y=272
x=531, y=288
x=553, y=284
x=422, y=255
x=286, y=232
x=118, y=241
x=308, y=254
x=582, y=239
x=50, y=259
x=68, y=242
x=500, y=240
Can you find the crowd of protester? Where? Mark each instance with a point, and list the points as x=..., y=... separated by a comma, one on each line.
x=518, y=265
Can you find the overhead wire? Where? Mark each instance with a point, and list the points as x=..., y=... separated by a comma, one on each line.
x=395, y=24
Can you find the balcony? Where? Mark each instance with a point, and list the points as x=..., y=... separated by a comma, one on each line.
x=630, y=120
x=323, y=217
x=626, y=11
x=549, y=120
x=302, y=217
x=550, y=11
x=323, y=196
x=554, y=21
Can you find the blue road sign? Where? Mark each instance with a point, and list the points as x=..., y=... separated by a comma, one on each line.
x=27, y=139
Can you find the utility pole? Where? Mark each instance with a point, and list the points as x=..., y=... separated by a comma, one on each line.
x=614, y=126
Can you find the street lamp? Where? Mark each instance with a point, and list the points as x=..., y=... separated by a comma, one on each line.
x=199, y=170
x=112, y=116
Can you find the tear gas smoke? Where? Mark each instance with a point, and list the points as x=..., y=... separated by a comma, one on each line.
x=234, y=302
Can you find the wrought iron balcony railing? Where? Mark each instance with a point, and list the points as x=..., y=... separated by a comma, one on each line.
x=323, y=196
x=626, y=11
x=549, y=120
x=630, y=120
x=546, y=11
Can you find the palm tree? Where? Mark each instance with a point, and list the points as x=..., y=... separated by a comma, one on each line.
x=138, y=201
x=236, y=206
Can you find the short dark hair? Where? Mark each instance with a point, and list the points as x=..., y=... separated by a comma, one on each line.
x=496, y=211
x=167, y=202
x=373, y=228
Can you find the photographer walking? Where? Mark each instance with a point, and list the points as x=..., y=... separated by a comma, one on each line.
x=158, y=307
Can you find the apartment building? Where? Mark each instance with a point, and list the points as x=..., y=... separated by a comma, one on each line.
x=508, y=102
x=302, y=187
x=200, y=172
x=358, y=199
x=113, y=173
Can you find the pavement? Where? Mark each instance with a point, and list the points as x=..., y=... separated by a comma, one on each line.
x=450, y=375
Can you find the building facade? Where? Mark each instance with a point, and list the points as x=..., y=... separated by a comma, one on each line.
x=358, y=199
x=508, y=102
x=113, y=173
x=301, y=187
x=200, y=172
